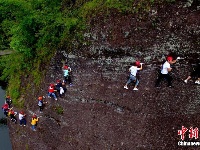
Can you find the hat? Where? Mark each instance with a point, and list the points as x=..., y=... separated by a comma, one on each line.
x=169, y=58
x=65, y=67
x=137, y=63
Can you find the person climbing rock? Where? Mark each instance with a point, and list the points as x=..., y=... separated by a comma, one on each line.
x=22, y=119
x=59, y=88
x=34, y=121
x=194, y=74
x=67, y=74
x=5, y=108
x=41, y=103
x=164, y=73
x=12, y=115
x=133, y=72
x=51, y=91
x=8, y=101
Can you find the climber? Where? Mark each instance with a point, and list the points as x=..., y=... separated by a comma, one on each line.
x=8, y=101
x=34, y=121
x=5, y=108
x=51, y=91
x=164, y=73
x=12, y=115
x=67, y=74
x=194, y=73
x=132, y=77
x=22, y=119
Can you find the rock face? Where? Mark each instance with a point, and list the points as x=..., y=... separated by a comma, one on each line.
x=98, y=113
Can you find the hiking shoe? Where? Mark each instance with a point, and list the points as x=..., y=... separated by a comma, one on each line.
x=135, y=89
x=126, y=87
x=185, y=81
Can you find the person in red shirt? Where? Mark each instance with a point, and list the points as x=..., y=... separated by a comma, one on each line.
x=5, y=109
x=51, y=91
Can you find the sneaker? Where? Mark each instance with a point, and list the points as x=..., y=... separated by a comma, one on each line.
x=135, y=89
x=185, y=81
x=126, y=87
x=49, y=96
x=24, y=125
x=170, y=86
x=197, y=82
x=70, y=84
x=56, y=99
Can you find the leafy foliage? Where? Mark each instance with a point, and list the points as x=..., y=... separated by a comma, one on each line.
x=35, y=29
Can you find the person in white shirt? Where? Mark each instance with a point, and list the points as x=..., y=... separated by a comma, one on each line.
x=164, y=74
x=133, y=71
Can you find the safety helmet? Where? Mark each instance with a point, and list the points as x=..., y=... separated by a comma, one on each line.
x=137, y=63
x=169, y=58
x=65, y=67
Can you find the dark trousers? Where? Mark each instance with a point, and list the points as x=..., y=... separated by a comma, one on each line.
x=164, y=76
x=68, y=79
x=41, y=108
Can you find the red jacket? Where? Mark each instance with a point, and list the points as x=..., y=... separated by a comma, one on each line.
x=51, y=89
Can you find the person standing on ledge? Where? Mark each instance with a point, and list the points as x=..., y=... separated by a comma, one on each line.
x=133, y=71
x=164, y=74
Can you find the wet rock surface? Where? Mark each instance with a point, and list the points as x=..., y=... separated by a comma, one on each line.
x=98, y=112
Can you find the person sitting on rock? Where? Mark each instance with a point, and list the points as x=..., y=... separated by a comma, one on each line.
x=194, y=73
x=5, y=108
x=67, y=77
x=22, y=119
x=165, y=69
x=132, y=77
x=34, y=121
x=51, y=91
x=8, y=101
x=12, y=115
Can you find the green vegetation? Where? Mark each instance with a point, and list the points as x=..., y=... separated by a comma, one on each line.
x=59, y=109
x=34, y=30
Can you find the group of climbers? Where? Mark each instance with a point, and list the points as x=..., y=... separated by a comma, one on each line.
x=163, y=74
x=54, y=90
x=59, y=88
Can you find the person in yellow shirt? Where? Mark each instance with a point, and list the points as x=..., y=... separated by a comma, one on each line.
x=34, y=122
